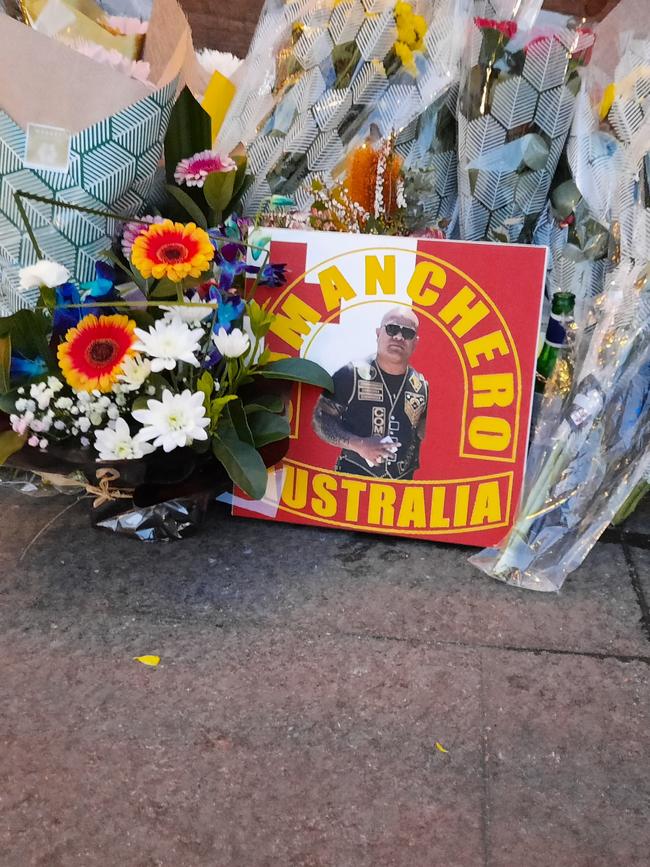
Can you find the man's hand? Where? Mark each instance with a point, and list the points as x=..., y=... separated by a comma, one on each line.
x=373, y=450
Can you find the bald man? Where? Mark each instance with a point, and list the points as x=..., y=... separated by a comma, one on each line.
x=377, y=411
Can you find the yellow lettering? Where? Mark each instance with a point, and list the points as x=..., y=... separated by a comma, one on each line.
x=461, y=309
x=487, y=505
x=380, y=275
x=381, y=505
x=437, y=517
x=411, y=510
x=493, y=389
x=489, y=433
x=354, y=489
x=426, y=275
x=294, y=490
x=324, y=503
x=486, y=346
x=291, y=323
x=461, y=506
x=334, y=288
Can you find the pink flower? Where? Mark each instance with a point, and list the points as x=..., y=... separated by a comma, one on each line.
x=133, y=229
x=194, y=170
x=508, y=28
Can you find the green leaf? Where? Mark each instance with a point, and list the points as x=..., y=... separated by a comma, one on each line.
x=5, y=363
x=164, y=290
x=28, y=330
x=242, y=462
x=205, y=385
x=142, y=402
x=235, y=410
x=218, y=189
x=10, y=443
x=8, y=401
x=260, y=319
x=188, y=203
x=217, y=406
x=298, y=370
x=267, y=402
x=188, y=133
x=268, y=427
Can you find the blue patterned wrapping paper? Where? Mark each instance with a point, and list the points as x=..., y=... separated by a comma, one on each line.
x=112, y=167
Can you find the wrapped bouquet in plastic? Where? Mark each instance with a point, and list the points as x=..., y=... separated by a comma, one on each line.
x=516, y=103
x=328, y=77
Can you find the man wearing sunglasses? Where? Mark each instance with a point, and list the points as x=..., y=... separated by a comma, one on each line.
x=377, y=411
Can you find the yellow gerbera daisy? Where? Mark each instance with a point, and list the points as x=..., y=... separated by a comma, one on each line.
x=93, y=352
x=172, y=250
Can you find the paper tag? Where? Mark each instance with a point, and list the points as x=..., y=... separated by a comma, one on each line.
x=47, y=148
x=217, y=98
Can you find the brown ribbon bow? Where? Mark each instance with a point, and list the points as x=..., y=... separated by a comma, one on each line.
x=103, y=491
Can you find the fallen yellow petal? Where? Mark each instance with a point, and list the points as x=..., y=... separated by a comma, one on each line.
x=440, y=747
x=148, y=660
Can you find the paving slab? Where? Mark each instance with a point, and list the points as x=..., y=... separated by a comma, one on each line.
x=245, y=571
x=567, y=740
x=245, y=747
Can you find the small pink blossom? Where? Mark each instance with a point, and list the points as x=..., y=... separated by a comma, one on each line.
x=19, y=424
x=194, y=170
x=133, y=229
x=33, y=441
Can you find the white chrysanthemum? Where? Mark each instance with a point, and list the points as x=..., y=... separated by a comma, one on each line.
x=43, y=273
x=167, y=342
x=175, y=421
x=218, y=61
x=116, y=443
x=135, y=370
x=192, y=313
x=231, y=345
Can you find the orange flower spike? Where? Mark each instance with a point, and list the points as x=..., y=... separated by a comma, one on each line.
x=172, y=250
x=361, y=176
x=92, y=354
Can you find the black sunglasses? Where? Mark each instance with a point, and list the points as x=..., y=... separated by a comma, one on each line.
x=393, y=330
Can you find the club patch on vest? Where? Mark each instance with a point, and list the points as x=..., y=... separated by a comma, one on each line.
x=378, y=420
x=415, y=381
x=373, y=391
x=414, y=405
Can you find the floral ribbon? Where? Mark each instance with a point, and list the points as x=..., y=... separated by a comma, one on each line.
x=103, y=491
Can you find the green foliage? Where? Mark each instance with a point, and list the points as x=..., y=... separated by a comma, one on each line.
x=189, y=205
x=235, y=410
x=268, y=402
x=268, y=427
x=218, y=190
x=189, y=131
x=260, y=319
x=28, y=330
x=10, y=443
x=298, y=370
x=242, y=461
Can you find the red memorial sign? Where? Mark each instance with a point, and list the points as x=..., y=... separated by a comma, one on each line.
x=432, y=347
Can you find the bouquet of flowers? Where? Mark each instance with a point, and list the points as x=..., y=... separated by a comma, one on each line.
x=350, y=75
x=592, y=449
x=517, y=99
x=151, y=381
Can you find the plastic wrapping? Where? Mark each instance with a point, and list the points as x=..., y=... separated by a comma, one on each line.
x=164, y=522
x=591, y=446
x=517, y=98
x=324, y=77
x=600, y=198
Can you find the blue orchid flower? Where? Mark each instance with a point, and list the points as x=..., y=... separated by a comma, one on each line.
x=26, y=368
x=66, y=315
x=101, y=289
x=273, y=275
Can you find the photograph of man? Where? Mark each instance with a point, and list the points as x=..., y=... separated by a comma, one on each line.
x=377, y=412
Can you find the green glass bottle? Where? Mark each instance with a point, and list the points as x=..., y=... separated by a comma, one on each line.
x=562, y=307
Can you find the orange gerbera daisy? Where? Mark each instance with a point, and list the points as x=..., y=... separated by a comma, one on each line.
x=172, y=250
x=93, y=352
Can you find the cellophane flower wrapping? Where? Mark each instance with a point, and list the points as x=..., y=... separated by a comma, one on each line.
x=323, y=76
x=519, y=83
x=591, y=446
x=599, y=200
